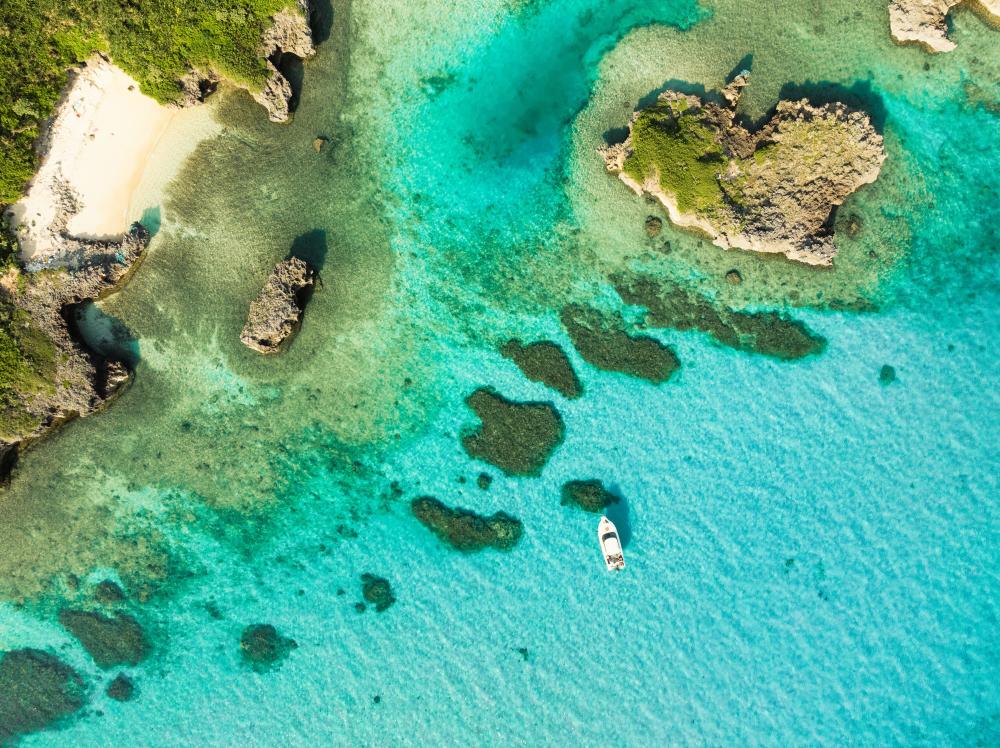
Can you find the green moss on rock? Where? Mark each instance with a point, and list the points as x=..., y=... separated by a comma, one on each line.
x=37, y=690
x=589, y=495
x=263, y=647
x=544, y=362
x=766, y=333
x=601, y=341
x=377, y=591
x=464, y=530
x=109, y=640
x=516, y=437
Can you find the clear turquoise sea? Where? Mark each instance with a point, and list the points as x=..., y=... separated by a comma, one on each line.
x=813, y=555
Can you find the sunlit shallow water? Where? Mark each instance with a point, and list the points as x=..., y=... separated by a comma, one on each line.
x=812, y=554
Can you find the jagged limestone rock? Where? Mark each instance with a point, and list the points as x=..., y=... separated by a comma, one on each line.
x=772, y=190
x=925, y=21
x=277, y=311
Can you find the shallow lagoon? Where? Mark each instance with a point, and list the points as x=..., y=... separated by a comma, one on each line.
x=812, y=554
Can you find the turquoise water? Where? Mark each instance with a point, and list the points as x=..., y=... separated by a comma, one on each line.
x=812, y=555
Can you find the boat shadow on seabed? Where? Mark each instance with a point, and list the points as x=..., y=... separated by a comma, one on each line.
x=620, y=514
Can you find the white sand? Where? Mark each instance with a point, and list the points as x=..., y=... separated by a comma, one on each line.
x=105, y=134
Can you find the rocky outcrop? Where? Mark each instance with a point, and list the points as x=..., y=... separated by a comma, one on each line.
x=80, y=382
x=925, y=21
x=277, y=311
x=771, y=191
x=289, y=34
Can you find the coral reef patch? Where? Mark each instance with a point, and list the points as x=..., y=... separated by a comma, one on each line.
x=263, y=647
x=517, y=437
x=589, y=495
x=464, y=530
x=672, y=306
x=110, y=641
x=122, y=688
x=37, y=689
x=377, y=591
x=601, y=341
x=544, y=362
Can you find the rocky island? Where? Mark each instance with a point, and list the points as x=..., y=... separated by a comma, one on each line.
x=771, y=191
x=925, y=22
x=277, y=311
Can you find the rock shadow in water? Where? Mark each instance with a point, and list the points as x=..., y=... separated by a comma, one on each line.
x=102, y=334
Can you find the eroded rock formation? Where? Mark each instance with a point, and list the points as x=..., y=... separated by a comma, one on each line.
x=277, y=311
x=925, y=22
x=767, y=191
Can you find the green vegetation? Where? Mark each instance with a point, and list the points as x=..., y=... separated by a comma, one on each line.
x=156, y=42
x=672, y=140
x=27, y=365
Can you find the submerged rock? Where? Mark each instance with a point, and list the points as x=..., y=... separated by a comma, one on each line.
x=110, y=641
x=516, y=437
x=37, y=689
x=377, y=591
x=263, y=647
x=544, y=362
x=589, y=495
x=122, y=688
x=601, y=341
x=766, y=333
x=925, y=22
x=768, y=191
x=886, y=375
x=654, y=226
x=464, y=530
x=277, y=311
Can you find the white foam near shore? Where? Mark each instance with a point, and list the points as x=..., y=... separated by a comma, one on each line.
x=102, y=144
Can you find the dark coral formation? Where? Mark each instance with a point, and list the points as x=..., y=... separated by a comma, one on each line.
x=602, y=342
x=37, y=689
x=516, y=437
x=886, y=375
x=767, y=333
x=377, y=591
x=108, y=593
x=263, y=647
x=110, y=641
x=122, y=688
x=465, y=530
x=589, y=495
x=544, y=362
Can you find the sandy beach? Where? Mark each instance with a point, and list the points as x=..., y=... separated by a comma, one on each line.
x=104, y=139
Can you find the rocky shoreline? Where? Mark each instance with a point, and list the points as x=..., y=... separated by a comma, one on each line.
x=770, y=191
x=925, y=22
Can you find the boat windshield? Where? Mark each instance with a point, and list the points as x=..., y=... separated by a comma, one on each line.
x=611, y=545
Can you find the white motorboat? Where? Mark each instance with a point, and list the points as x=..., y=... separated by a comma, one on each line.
x=611, y=545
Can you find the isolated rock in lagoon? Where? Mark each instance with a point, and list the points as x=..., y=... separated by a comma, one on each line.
x=925, y=22
x=377, y=591
x=769, y=191
x=110, y=641
x=516, y=437
x=263, y=647
x=277, y=311
x=589, y=495
x=464, y=530
x=37, y=689
x=544, y=362
x=601, y=341
x=122, y=688
x=671, y=306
